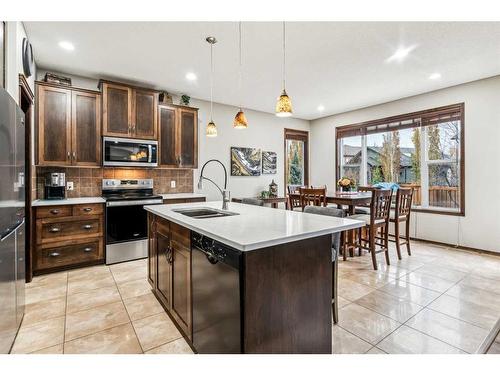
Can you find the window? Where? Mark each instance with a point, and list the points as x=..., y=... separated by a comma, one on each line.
x=296, y=158
x=423, y=150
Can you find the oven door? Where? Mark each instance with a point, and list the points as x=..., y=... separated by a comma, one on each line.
x=129, y=152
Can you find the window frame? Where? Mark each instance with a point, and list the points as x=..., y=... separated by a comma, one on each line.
x=299, y=135
x=362, y=127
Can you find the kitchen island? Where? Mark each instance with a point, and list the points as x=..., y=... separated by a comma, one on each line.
x=247, y=280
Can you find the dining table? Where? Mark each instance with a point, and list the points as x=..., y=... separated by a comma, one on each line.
x=273, y=201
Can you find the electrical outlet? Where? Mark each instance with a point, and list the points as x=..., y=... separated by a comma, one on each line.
x=69, y=185
x=172, y=184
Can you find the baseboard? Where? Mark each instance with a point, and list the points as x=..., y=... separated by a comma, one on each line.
x=480, y=251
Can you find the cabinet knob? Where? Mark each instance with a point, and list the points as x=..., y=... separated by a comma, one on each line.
x=54, y=230
x=87, y=209
x=54, y=254
x=87, y=250
x=87, y=226
x=54, y=212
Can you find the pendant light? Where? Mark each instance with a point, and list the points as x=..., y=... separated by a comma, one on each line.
x=284, y=104
x=240, y=120
x=211, y=127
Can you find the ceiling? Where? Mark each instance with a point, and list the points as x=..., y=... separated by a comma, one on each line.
x=339, y=65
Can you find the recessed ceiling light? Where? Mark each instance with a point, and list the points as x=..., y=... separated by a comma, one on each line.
x=67, y=46
x=435, y=76
x=321, y=108
x=401, y=53
x=191, y=76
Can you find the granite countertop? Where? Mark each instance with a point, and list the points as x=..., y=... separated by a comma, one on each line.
x=182, y=195
x=60, y=202
x=255, y=227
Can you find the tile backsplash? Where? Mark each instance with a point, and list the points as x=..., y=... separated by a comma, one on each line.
x=87, y=181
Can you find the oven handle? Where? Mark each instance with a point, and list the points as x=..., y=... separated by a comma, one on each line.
x=141, y=202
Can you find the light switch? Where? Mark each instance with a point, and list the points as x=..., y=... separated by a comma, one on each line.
x=69, y=185
x=172, y=184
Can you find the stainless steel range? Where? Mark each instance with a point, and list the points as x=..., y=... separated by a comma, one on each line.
x=126, y=219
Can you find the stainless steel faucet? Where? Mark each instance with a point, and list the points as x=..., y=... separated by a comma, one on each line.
x=226, y=194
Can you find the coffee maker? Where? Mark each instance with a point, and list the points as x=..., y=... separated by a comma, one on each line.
x=55, y=186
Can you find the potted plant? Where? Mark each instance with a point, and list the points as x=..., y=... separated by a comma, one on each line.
x=185, y=100
x=346, y=183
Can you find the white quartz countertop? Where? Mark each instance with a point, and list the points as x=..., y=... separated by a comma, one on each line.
x=60, y=202
x=182, y=195
x=255, y=227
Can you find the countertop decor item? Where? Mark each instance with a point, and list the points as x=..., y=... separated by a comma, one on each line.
x=240, y=120
x=269, y=160
x=185, y=100
x=284, y=104
x=245, y=161
x=211, y=127
x=273, y=189
x=346, y=183
x=165, y=98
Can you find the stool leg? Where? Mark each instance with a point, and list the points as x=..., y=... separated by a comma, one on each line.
x=371, y=236
x=386, y=244
x=396, y=234
x=408, y=235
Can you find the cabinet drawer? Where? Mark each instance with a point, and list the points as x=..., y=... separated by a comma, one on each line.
x=87, y=209
x=58, y=256
x=53, y=211
x=58, y=230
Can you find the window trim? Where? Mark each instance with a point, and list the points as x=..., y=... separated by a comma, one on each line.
x=360, y=129
x=300, y=135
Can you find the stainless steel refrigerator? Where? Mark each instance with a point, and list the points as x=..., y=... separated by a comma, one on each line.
x=12, y=214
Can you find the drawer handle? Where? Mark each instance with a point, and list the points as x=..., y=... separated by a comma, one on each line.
x=87, y=209
x=87, y=226
x=54, y=212
x=54, y=230
x=87, y=250
x=54, y=254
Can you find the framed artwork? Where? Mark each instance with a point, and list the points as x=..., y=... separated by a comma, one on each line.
x=245, y=161
x=269, y=160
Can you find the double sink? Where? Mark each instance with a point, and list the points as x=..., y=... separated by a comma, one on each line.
x=204, y=212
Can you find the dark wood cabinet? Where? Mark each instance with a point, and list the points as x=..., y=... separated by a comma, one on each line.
x=171, y=250
x=68, y=126
x=129, y=111
x=54, y=125
x=68, y=236
x=178, y=128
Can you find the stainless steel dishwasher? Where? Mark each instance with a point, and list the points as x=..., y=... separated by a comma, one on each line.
x=216, y=296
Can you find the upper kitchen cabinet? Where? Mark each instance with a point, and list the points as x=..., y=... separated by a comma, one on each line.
x=68, y=126
x=129, y=111
x=178, y=127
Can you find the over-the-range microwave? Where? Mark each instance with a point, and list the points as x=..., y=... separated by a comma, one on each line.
x=127, y=152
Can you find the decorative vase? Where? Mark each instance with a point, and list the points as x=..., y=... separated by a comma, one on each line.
x=345, y=188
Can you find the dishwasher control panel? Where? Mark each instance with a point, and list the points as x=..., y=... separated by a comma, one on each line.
x=216, y=250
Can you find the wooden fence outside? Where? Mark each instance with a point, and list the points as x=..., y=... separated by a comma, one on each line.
x=439, y=196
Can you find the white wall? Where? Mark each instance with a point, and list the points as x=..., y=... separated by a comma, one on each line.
x=265, y=131
x=480, y=228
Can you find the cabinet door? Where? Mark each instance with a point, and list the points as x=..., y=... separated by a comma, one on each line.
x=181, y=287
x=86, y=128
x=167, y=124
x=145, y=114
x=152, y=256
x=164, y=270
x=54, y=126
x=188, y=138
x=117, y=110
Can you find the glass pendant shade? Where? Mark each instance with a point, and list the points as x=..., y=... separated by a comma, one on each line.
x=240, y=120
x=284, y=105
x=211, y=129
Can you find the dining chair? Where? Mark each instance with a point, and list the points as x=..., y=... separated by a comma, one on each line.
x=293, y=198
x=401, y=213
x=312, y=197
x=336, y=212
x=378, y=219
x=252, y=201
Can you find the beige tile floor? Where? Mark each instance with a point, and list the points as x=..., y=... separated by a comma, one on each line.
x=439, y=300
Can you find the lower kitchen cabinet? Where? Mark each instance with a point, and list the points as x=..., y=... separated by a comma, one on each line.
x=68, y=236
x=170, y=246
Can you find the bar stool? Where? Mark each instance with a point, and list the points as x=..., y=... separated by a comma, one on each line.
x=400, y=214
